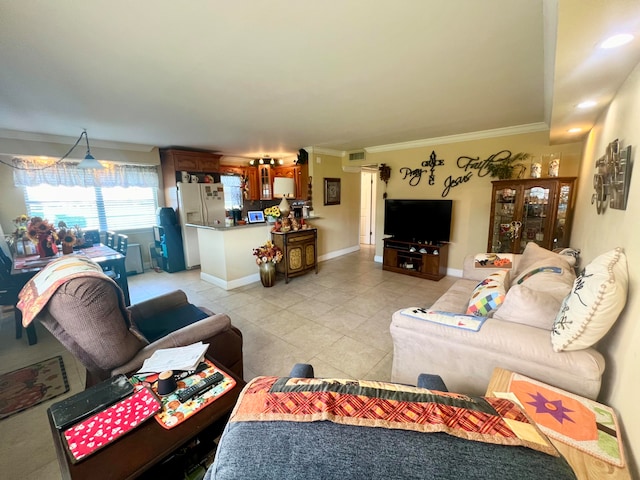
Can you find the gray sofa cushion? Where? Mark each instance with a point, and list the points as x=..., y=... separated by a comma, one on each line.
x=329, y=451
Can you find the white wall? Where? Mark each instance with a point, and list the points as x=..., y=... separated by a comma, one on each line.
x=596, y=234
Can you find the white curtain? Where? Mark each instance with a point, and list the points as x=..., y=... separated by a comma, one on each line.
x=29, y=173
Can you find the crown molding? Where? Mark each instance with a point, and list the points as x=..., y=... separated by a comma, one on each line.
x=65, y=140
x=326, y=151
x=463, y=137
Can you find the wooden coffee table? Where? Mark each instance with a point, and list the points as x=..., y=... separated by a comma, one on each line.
x=147, y=445
x=585, y=466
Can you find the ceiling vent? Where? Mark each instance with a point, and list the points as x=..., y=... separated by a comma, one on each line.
x=356, y=156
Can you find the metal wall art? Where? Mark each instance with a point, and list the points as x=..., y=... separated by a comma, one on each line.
x=415, y=174
x=612, y=177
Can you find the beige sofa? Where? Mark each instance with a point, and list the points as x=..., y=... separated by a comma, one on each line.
x=516, y=336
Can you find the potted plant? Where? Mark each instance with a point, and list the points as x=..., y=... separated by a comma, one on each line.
x=504, y=168
x=267, y=256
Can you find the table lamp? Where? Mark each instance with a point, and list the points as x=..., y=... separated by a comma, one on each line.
x=282, y=188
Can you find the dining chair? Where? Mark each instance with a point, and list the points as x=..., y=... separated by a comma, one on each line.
x=110, y=239
x=122, y=242
x=9, y=289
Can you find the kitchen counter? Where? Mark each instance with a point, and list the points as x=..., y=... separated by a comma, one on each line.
x=226, y=253
x=224, y=227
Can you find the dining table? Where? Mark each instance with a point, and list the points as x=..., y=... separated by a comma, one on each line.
x=26, y=267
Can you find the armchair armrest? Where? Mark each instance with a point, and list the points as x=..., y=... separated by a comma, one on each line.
x=203, y=330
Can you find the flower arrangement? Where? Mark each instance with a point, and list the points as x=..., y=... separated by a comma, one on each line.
x=21, y=226
x=70, y=236
x=267, y=253
x=39, y=229
x=272, y=211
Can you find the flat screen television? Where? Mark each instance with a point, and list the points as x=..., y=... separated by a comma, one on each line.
x=425, y=221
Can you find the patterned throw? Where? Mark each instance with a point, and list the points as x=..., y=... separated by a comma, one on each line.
x=388, y=405
x=32, y=385
x=492, y=260
x=173, y=412
x=577, y=421
x=456, y=320
x=37, y=292
x=99, y=430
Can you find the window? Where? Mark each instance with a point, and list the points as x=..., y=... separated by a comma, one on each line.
x=232, y=191
x=104, y=208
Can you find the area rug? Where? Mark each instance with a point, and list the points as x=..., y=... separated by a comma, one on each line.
x=29, y=386
x=582, y=423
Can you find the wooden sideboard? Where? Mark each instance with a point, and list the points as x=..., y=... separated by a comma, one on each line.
x=300, y=252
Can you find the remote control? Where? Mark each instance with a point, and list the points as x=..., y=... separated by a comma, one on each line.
x=203, y=384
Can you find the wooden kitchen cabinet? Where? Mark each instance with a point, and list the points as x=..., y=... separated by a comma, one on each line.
x=299, y=250
x=295, y=172
x=536, y=210
x=232, y=170
x=254, y=184
x=265, y=182
x=174, y=160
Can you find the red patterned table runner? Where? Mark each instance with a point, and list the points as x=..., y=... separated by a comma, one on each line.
x=388, y=405
x=101, y=429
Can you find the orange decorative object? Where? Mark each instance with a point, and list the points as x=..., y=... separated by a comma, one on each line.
x=558, y=412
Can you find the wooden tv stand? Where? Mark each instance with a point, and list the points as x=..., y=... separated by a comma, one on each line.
x=424, y=260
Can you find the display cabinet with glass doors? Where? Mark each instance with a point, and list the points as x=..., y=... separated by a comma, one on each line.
x=531, y=210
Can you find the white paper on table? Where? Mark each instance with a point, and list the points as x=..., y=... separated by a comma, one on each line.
x=178, y=358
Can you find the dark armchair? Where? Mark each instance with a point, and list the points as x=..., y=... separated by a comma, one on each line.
x=87, y=315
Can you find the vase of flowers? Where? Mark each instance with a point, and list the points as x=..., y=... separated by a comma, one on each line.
x=267, y=256
x=18, y=241
x=69, y=237
x=272, y=213
x=43, y=234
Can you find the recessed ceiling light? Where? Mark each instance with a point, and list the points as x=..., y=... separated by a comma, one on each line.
x=617, y=40
x=574, y=130
x=587, y=104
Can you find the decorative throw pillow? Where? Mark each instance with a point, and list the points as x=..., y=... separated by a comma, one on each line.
x=547, y=275
x=597, y=298
x=530, y=306
x=489, y=294
x=534, y=253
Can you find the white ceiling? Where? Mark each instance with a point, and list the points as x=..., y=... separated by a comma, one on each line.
x=254, y=77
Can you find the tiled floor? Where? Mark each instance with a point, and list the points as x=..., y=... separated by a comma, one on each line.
x=337, y=320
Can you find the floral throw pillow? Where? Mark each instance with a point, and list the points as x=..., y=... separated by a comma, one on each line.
x=489, y=294
x=598, y=296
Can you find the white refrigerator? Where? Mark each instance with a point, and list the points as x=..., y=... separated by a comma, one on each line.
x=200, y=204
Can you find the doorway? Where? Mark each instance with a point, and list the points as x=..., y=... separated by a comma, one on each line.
x=367, y=205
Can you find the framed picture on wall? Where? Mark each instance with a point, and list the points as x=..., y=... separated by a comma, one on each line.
x=332, y=191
